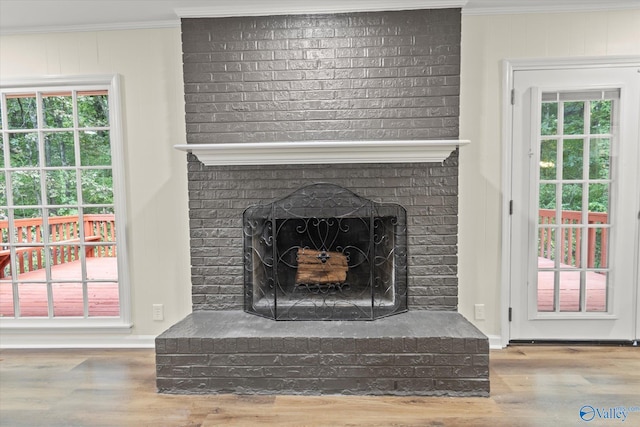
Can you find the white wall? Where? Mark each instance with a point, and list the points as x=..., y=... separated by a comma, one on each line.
x=150, y=64
x=486, y=41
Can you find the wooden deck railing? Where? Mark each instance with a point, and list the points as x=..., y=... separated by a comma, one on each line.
x=570, y=238
x=64, y=241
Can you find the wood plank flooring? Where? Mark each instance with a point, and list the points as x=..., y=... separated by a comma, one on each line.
x=530, y=386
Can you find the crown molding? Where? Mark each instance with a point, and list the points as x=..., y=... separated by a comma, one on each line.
x=507, y=7
x=156, y=14
x=116, y=26
x=322, y=152
x=297, y=7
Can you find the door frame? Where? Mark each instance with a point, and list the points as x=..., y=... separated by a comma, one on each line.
x=509, y=67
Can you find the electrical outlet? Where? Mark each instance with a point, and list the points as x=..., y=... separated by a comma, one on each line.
x=479, y=312
x=158, y=312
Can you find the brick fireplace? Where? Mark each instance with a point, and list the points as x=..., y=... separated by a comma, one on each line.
x=384, y=76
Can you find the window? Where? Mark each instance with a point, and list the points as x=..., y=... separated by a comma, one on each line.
x=576, y=134
x=61, y=256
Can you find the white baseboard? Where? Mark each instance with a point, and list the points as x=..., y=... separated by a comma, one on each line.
x=495, y=342
x=44, y=341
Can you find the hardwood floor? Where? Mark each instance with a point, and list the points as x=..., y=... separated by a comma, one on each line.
x=530, y=386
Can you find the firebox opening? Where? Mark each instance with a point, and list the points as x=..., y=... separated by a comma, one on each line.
x=301, y=281
x=348, y=266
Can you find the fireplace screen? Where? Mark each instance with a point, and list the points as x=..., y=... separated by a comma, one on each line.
x=324, y=253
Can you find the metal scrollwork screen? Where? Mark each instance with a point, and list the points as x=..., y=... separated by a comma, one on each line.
x=325, y=253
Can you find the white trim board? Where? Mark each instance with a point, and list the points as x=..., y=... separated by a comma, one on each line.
x=33, y=16
x=297, y=7
x=112, y=83
x=509, y=66
x=496, y=342
x=322, y=152
x=66, y=340
x=510, y=7
x=114, y=26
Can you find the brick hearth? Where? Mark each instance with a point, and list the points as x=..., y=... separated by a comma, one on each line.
x=416, y=353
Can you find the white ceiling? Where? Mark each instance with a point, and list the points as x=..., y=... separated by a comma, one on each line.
x=28, y=16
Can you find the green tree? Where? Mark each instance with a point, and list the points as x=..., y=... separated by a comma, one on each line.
x=573, y=163
x=58, y=153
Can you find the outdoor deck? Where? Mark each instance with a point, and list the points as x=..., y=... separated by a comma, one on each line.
x=596, y=289
x=60, y=241
x=67, y=296
x=569, y=239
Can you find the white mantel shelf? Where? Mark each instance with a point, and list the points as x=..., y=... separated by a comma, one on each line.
x=323, y=152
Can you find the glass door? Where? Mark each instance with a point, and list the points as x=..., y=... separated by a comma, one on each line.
x=575, y=195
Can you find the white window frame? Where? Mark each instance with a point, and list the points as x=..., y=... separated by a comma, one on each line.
x=89, y=325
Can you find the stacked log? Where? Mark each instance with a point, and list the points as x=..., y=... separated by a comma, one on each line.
x=320, y=267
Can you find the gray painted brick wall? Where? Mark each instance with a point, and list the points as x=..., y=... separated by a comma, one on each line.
x=383, y=75
x=392, y=75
